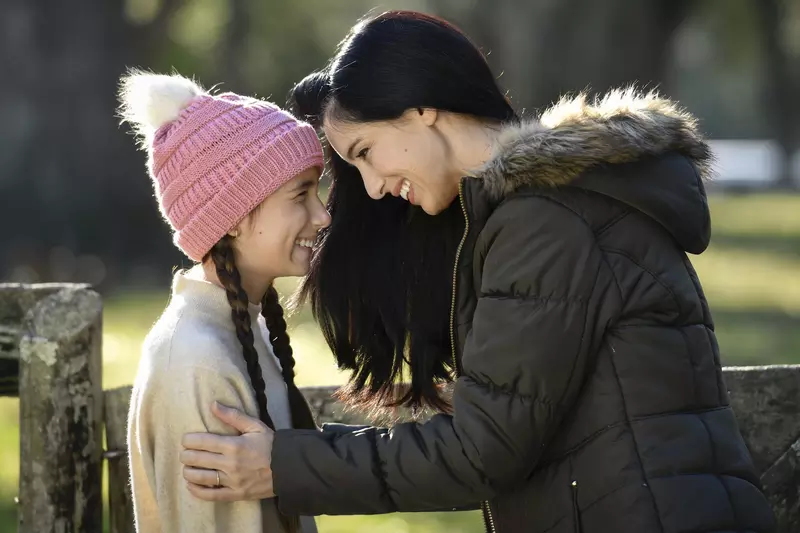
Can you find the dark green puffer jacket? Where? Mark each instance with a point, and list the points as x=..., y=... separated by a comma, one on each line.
x=590, y=397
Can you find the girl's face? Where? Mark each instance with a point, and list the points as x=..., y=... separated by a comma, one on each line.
x=276, y=239
x=407, y=157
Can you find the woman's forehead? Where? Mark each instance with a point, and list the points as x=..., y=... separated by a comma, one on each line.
x=342, y=129
x=335, y=135
x=343, y=135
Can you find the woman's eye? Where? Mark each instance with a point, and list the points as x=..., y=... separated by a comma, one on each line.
x=363, y=153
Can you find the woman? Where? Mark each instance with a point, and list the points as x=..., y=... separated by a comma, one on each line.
x=547, y=275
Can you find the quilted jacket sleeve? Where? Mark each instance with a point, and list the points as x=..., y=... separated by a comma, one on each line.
x=546, y=297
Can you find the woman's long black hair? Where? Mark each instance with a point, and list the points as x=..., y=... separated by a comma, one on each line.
x=380, y=284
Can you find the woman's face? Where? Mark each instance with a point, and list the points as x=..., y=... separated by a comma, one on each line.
x=407, y=158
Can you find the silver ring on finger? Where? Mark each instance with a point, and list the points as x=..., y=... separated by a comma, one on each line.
x=219, y=484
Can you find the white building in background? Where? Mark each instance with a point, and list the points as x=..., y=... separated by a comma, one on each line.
x=751, y=163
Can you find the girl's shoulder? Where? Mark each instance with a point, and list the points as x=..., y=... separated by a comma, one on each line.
x=188, y=362
x=181, y=340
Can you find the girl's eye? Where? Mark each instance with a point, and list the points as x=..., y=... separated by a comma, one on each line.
x=363, y=153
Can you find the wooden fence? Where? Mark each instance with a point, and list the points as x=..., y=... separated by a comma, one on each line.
x=50, y=355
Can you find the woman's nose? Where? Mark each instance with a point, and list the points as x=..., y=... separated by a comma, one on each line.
x=373, y=184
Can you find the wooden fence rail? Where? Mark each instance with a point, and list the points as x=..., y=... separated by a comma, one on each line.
x=52, y=333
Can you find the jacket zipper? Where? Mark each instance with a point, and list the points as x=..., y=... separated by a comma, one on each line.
x=576, y=512
x=455, y=279
x=488, y=519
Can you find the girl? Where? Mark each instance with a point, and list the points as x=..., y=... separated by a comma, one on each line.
x=236, y=178
x=540, y=265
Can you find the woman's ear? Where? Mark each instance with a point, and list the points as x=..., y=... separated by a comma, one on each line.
x=428, y=115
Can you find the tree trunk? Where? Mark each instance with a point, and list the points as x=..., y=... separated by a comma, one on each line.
x=779, y=96
x=231, y=51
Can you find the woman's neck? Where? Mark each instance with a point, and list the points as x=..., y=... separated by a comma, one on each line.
x=254, y=288
x=472, y=143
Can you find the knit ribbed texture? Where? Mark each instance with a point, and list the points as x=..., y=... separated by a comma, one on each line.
x=221, y=158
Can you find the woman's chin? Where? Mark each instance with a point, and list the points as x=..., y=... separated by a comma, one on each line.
x=431, y=208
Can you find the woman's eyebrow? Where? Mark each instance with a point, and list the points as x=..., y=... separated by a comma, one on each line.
x=353, y=147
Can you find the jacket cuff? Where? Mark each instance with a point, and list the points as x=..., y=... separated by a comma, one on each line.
x=328, y=472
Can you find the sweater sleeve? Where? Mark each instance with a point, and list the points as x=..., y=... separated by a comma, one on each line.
x=170, y=405
x=546, y=296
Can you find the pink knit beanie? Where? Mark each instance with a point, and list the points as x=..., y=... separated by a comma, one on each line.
x=213, y=158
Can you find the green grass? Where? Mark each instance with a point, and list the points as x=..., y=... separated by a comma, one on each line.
x=751, y=275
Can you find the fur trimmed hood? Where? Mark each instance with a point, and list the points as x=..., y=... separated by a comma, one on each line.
x=615, y=145
x=575, y=135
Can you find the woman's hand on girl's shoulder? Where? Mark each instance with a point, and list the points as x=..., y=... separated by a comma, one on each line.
x=243, y=462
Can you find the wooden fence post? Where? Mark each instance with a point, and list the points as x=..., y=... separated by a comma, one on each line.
x=120, y=500
x=60, y=389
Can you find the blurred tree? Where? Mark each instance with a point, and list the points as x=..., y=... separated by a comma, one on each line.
x=147, y=26
x=68, y=177
x=781, y=88
x=73, y=190
x=549, y=47
x=717, y=69
x=233, y=43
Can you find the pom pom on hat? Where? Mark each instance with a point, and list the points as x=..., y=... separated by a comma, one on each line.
x=149, y=101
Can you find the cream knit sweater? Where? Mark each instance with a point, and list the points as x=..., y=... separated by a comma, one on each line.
x=190, y=358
